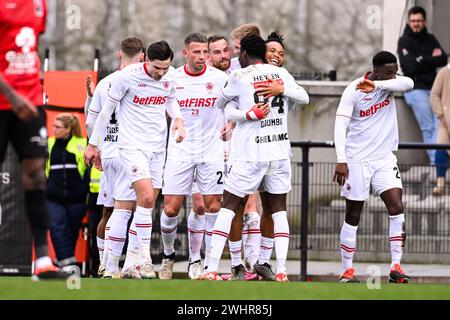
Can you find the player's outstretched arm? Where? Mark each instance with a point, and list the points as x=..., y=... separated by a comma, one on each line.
x=400, y=84
x=294, y=92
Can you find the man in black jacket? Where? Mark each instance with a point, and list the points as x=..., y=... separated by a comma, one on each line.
x=420, y=54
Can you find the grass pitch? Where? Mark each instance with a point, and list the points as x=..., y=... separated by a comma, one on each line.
x=19, y=288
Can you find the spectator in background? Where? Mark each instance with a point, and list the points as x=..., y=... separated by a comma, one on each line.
x=440, y=102
x=420, y=54
x=67, y=186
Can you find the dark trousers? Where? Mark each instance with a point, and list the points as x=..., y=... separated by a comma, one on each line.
x=65, y=223
x=95, y=215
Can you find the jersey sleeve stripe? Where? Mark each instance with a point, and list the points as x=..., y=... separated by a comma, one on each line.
x=343, y=115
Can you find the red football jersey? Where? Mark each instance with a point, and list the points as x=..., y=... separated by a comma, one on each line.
x=21, y=23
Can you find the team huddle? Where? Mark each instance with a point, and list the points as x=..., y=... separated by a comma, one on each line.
x=228, y=147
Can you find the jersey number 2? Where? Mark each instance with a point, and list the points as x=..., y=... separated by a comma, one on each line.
x=397, y=175
x=220, y=174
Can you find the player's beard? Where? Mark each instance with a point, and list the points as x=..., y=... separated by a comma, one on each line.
x=224, y=65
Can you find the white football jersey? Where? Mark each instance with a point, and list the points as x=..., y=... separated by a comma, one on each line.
x=108, y=146
x=197, y=96
x=234, y=65
x=143, y=102
x=267, y=139
x=373, y=128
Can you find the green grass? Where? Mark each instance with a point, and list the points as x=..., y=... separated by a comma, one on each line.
x=24, y=288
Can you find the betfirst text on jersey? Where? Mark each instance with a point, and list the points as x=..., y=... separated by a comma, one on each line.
x=197, y=96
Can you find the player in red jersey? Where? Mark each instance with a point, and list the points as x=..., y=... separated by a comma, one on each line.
x=21, y=121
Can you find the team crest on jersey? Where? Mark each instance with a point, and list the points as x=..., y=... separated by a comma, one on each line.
x=166, y=85
x=348, y=186
x=209, y=87
x=134, y=170
x=38, y=8
x=105, y=195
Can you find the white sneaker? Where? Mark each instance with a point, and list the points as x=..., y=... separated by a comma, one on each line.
x=131, y=273
x=146, y=271
x=195, y=270
x=166, y=270
x=101, y=270
x=111, y=275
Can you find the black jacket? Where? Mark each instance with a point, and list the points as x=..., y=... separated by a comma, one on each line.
x=65, y=185
x=415, y=53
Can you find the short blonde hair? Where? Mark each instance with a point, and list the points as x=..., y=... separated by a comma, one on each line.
x=244, y=30
x=71, y=122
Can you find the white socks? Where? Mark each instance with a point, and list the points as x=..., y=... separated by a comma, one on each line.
x=43, y=262
x=210, y=220
x=117, y=236
x=281, y=235
x=265, y=251
x=142, y=224
x=397, y=237
x=131, y=259
x=251, y=237
x=348, y=245
x=106, y=244
x=196, y=230
x=235, y=252
x=100, y=246
x=169, y=227
x=219, y=237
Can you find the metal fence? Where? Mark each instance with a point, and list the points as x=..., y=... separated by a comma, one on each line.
x=314, y=224
x=317, y=225
x=15, y=235
x=315, y=75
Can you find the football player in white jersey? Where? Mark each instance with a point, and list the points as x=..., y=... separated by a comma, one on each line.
x=115, y=189
x=275, y=56
x=365, y=157
x=261, y=149
x=144, y=93
x=219, y=56
x=236, y=35
x=201, y=153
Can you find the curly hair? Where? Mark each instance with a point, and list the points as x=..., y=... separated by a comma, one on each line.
x=275, y=36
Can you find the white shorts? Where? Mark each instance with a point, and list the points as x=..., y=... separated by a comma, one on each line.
x=105, y=193
x=195, y=188
x=140, y=164
x=245, y=177
x=382, y=174
x=122, y=189
x=179, y=176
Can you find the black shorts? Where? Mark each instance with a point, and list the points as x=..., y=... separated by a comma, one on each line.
x=29, y=139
